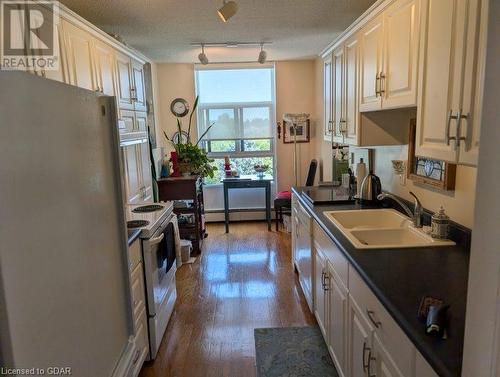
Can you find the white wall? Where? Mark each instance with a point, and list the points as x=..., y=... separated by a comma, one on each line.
x=482, y=329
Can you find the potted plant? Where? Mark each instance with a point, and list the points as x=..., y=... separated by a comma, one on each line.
x=192, y=159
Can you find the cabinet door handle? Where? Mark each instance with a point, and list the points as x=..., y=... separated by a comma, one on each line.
x=370, y=314
x=330, y=128
x=370, y=359
x=365, y=365
x=382, y=81
x=461, y=116
x=326, y=285
x=377, y=92
x=448, y=138
x=133, y=95
x=136, y=358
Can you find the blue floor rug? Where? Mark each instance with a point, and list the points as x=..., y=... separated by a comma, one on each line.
x=292, y=352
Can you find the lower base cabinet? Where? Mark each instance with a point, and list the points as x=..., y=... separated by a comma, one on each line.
x=362, y=337
x=138, y=306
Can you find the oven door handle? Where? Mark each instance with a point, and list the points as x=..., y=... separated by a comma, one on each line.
x=154, y=241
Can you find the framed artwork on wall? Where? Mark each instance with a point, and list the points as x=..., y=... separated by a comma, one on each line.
x=429, y=172
x=302, y=132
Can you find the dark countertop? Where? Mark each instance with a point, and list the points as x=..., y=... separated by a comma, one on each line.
x=401, y=277
x=133, y=234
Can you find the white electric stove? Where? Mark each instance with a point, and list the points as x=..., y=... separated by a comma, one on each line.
x=160, y=238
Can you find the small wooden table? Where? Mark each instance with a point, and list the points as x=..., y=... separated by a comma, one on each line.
x=247, y=181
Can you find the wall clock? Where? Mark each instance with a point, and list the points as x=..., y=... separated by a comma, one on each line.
x=179, y=107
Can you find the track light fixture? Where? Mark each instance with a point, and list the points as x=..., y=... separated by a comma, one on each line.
x=228, y=10
x=202, y=57
x=262, y=54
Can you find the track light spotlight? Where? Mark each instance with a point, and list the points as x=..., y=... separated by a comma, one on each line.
x=202, y=57
x=228, y=10
x=262, y=55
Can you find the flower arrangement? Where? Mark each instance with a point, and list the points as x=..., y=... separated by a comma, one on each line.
x=192, y=159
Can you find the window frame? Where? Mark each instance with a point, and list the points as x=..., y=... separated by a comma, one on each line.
x=238, y=107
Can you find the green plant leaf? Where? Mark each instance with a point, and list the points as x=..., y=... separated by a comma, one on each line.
x=204, y=133
x=195, y=105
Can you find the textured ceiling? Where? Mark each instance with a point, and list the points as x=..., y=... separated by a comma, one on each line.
x=164, y=29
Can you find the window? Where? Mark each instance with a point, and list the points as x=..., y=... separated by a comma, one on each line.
x=240, y=104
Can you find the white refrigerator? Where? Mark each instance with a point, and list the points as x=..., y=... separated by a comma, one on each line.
x=64, y=290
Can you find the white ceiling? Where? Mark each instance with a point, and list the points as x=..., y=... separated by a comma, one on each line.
x=164, y=29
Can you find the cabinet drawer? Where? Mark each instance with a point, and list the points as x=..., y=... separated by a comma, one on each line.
x=141, y=343
x=332, y=252
x=134, y=255
x=137, y=287
x=394, y=340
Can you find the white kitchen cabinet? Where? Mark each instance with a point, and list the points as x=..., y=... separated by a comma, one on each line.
x=450, y=80
x=327, y=98
x=140, y=121
x=79, y=55
x=132, y=172
x=337, y=319
x=389, y=55
x=137, y=171
x=360, y=338
x=381, y=362
x=124, y=81
x=138, y=296
x=401, y=41
x=104, y=57
x=372, y=40
x=139, y=87
x=320, y=294
x=303, y=252
x=338, y=92
x=345, y=101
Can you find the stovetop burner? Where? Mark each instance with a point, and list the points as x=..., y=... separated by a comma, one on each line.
x=131, y=224
x=148, y=208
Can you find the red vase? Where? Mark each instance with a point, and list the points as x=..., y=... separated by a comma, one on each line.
x=175, y=164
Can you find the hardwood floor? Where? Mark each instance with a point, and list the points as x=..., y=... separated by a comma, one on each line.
x=243, y=280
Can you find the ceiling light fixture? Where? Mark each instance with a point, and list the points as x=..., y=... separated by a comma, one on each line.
x=202, y=57
x=228, y=10
x=262, y=54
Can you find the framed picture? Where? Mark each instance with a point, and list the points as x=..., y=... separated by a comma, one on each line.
x=301, y=132
x=429, y=172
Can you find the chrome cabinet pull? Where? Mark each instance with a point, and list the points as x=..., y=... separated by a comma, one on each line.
x=461, y=116
x=377, y=79
x=133, y=95
x=448, y=126
x=365, y=365
x=369, y=368
x=370, y=314
x=136, y=358
x=323, y=279
x=330, y=128
x=326, y=285
x=382, y=81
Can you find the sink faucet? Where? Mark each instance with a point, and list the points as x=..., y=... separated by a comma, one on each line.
x=416, y=215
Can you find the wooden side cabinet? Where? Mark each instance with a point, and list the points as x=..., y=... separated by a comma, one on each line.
x=187, y=189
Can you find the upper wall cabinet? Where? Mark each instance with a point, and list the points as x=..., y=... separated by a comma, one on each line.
x=105, y=68
x=81, y=70
x=371, y=65
x=389, y=56
x=450, y=80
x=131, y=88
x=327, y=98
x=345, y=62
